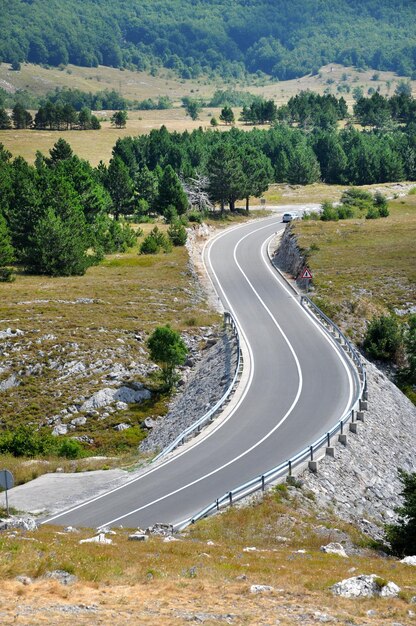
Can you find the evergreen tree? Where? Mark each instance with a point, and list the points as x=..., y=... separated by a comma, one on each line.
x=402, y=536
x=168, y=349
x=61, y=150
x=119, y=119
x=171, y=193
x=227, y=115
x=58, y=247
x=6, y=248
x=227, y=181
x=21, y=118
x=5, y=121
x=120, y=187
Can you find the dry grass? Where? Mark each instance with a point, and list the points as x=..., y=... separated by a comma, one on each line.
x=173, y=583
x=97, y=145
x=363, y=267
x=126, y=297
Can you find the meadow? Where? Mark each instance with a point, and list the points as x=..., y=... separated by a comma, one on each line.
x=206, y=575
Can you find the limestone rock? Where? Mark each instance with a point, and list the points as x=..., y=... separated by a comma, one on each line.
x=9, y=383
x=409, y=560
x=107, y=396
x=261, y=589
x=334, y=548
x=364, y=586
x=65, y=578
x=60, y=429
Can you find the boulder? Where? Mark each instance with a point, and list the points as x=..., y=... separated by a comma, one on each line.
x=261, y=589
x=334, y=548
x=409, y=560
x=65, y=578
x=364, y=586
x=107, y=396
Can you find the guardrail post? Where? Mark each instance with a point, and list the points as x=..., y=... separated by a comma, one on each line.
x=217, y=504
x=311, y=450
x=328, y=439
x=262, y=483
x=230, y=495
x=290, y=468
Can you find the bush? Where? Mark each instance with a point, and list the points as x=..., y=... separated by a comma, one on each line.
x=6, y=275
x=196, y=217
x=373, y=213
x=154, y=242
x=402, y=536
x=177, y=233
x=170, y=214
x=329, y=213
x=70, y=449
x=383, y=338
x=25, y=441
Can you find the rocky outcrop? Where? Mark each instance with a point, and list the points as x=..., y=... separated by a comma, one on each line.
x=365, y=587
x=287, y=256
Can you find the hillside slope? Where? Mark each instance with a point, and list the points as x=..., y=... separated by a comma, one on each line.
x=193, y=36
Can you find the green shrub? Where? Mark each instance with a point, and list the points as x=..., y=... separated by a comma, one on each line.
x=329, y=213
x=6, y=275
x=196, y=217
x=26, y=441
x=402, y=536
x=373, y=213
x=170, y=214
x=177, y=233
x=154, y=242
x=383, y=338
x=70, y=449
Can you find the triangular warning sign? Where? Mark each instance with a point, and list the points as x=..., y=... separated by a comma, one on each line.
x=306, y=273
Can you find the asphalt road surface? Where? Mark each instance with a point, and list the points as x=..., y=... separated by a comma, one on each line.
x=298, y=386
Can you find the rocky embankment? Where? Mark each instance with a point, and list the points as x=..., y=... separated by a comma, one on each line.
x=207, y=383
x=361, y=483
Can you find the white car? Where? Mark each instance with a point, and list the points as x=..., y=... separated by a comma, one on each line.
x=288, y=217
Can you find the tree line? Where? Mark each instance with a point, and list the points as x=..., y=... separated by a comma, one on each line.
x=57, y=116
x=281, y=39
x=56, y=217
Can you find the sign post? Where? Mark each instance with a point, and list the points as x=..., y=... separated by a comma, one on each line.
x=306, y=275
x=6, y=482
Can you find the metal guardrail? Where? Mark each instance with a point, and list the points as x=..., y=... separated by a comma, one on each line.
x=208, y=417
x=260, y=482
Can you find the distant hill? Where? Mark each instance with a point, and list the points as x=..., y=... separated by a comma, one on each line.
x=283, y=38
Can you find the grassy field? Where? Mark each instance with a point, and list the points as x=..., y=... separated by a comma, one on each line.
x=97, y=145
x=363, y=268
x=139, y=85
x=205, y=577
x=97, y=320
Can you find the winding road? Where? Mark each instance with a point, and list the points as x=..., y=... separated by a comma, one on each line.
x=298, y=385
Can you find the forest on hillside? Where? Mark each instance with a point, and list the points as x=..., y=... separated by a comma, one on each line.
x=282, y=38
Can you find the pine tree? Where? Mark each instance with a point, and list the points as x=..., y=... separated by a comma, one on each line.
x=5, y=121
x=171, y=193
x=58, y=247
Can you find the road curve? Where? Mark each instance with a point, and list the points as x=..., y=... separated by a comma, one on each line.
x=299, y=385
